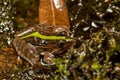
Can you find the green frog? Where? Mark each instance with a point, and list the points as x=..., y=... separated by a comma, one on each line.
x=38, y=51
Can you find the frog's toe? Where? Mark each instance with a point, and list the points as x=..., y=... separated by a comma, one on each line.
x=47, y=59
x=47, y=62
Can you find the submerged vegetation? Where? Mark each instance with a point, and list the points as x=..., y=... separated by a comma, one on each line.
x=95, y=27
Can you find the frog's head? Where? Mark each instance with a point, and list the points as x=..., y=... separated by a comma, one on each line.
x=62, y=30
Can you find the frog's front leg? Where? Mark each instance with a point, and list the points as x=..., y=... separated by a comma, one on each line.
x=26, y=51
x=47, y=59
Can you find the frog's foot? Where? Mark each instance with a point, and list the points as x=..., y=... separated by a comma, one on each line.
x=47, y=59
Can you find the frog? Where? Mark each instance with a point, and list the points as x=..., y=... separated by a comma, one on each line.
x=54, y=35
x=39, y=51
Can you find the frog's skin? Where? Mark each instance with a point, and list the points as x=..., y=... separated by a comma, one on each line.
x=37, y=51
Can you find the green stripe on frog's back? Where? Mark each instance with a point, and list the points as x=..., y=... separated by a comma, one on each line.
x=37, y=34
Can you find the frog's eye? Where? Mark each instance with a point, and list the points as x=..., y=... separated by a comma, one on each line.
x=63, y=33
x=61, y=44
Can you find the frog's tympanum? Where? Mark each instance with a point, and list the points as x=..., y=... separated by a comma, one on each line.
x=54, y=35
